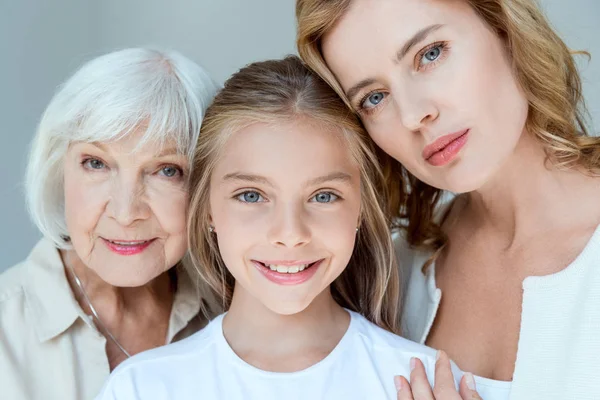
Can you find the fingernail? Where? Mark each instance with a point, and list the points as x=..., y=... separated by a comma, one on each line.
x=413, y=363
x=470, y=380
x=398, y=383
x=437, y=356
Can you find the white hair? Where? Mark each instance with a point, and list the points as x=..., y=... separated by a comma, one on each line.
x=107, y=98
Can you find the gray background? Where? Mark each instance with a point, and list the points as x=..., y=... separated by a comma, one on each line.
x=42, y=43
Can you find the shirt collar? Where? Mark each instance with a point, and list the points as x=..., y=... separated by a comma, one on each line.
x=54, y=307
x=48, y=293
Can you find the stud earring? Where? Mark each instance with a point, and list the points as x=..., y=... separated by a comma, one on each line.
x=211, y=229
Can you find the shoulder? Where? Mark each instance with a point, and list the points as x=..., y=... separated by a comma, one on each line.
x=13, y=280
x=393, y=351
x=14, y=283
x=176, y=352
x=382, y=341
x=162, y=367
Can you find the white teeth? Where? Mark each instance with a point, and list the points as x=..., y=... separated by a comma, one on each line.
x=128, y=243
x=283, y=269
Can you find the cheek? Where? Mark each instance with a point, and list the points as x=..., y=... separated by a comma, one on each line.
x=234, y=229
x=335, y=230
x=85, y=201
x=392, y=137
x=169, y=206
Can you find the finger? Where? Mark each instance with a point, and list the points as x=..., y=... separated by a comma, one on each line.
x=468, y=390
x=419, y=384
x=403, y=388
x=444, y=387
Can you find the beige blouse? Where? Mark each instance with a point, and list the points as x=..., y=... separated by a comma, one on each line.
x=49, y=348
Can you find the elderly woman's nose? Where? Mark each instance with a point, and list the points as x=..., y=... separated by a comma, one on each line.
x=127, y=202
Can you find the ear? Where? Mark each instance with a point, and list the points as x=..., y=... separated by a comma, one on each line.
x=211, y=225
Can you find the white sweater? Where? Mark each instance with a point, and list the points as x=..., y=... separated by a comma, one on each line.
x=558, y=353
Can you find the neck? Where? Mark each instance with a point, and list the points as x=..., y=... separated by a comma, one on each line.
x=257, y=334
x=530, y=195
x=116, y=304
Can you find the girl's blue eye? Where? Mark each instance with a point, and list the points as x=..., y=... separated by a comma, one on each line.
x=169, y=171
x=431, y=55
x=373, y=100
x=325, y=197
x=250, y=197
x=93, y=163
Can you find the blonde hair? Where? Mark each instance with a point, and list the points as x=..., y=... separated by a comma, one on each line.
x=107, y=98
x=274, y=92
x=544, y=68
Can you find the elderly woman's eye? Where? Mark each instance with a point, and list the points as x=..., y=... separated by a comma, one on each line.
x=170, y=171
x=93, y=163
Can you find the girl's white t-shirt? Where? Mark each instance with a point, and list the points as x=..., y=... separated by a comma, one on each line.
x=204, y=367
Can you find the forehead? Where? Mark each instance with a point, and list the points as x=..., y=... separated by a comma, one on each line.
x=287, y=151
x=137, y=143
x=372, y=31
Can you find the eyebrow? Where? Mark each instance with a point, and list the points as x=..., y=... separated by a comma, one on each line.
x=238, y=176
x=353, y=91
x=98, y=145
x=334, y=176
x=170, y=151
x=416, y=38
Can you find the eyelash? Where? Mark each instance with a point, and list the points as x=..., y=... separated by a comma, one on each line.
x=442, y=45
x=240, y=194
x=337, y=197
x=88, y=159
x=179, y=171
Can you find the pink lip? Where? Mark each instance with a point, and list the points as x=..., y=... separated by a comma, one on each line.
x=127, y=250
x=287, y=279
x=445, y=149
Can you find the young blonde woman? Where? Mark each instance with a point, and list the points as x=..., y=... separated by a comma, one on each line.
x=481, y=99
x=287, y=228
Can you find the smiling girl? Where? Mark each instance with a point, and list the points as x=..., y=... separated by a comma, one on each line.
x=287, y=228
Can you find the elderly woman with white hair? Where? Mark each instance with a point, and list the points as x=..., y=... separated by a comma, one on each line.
x=107, y=187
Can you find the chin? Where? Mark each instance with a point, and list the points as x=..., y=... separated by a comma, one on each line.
x=126, y=277
x=460, y=178
x=287, y=307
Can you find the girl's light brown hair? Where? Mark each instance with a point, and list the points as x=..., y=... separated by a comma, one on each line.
x=544, y=68
x=280, y=91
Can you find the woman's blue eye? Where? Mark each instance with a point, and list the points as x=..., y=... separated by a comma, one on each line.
x=250, y=197
x=169, y=171
x=93, y=163
x=373, y=100
x=431, y=55
x=325, y=197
